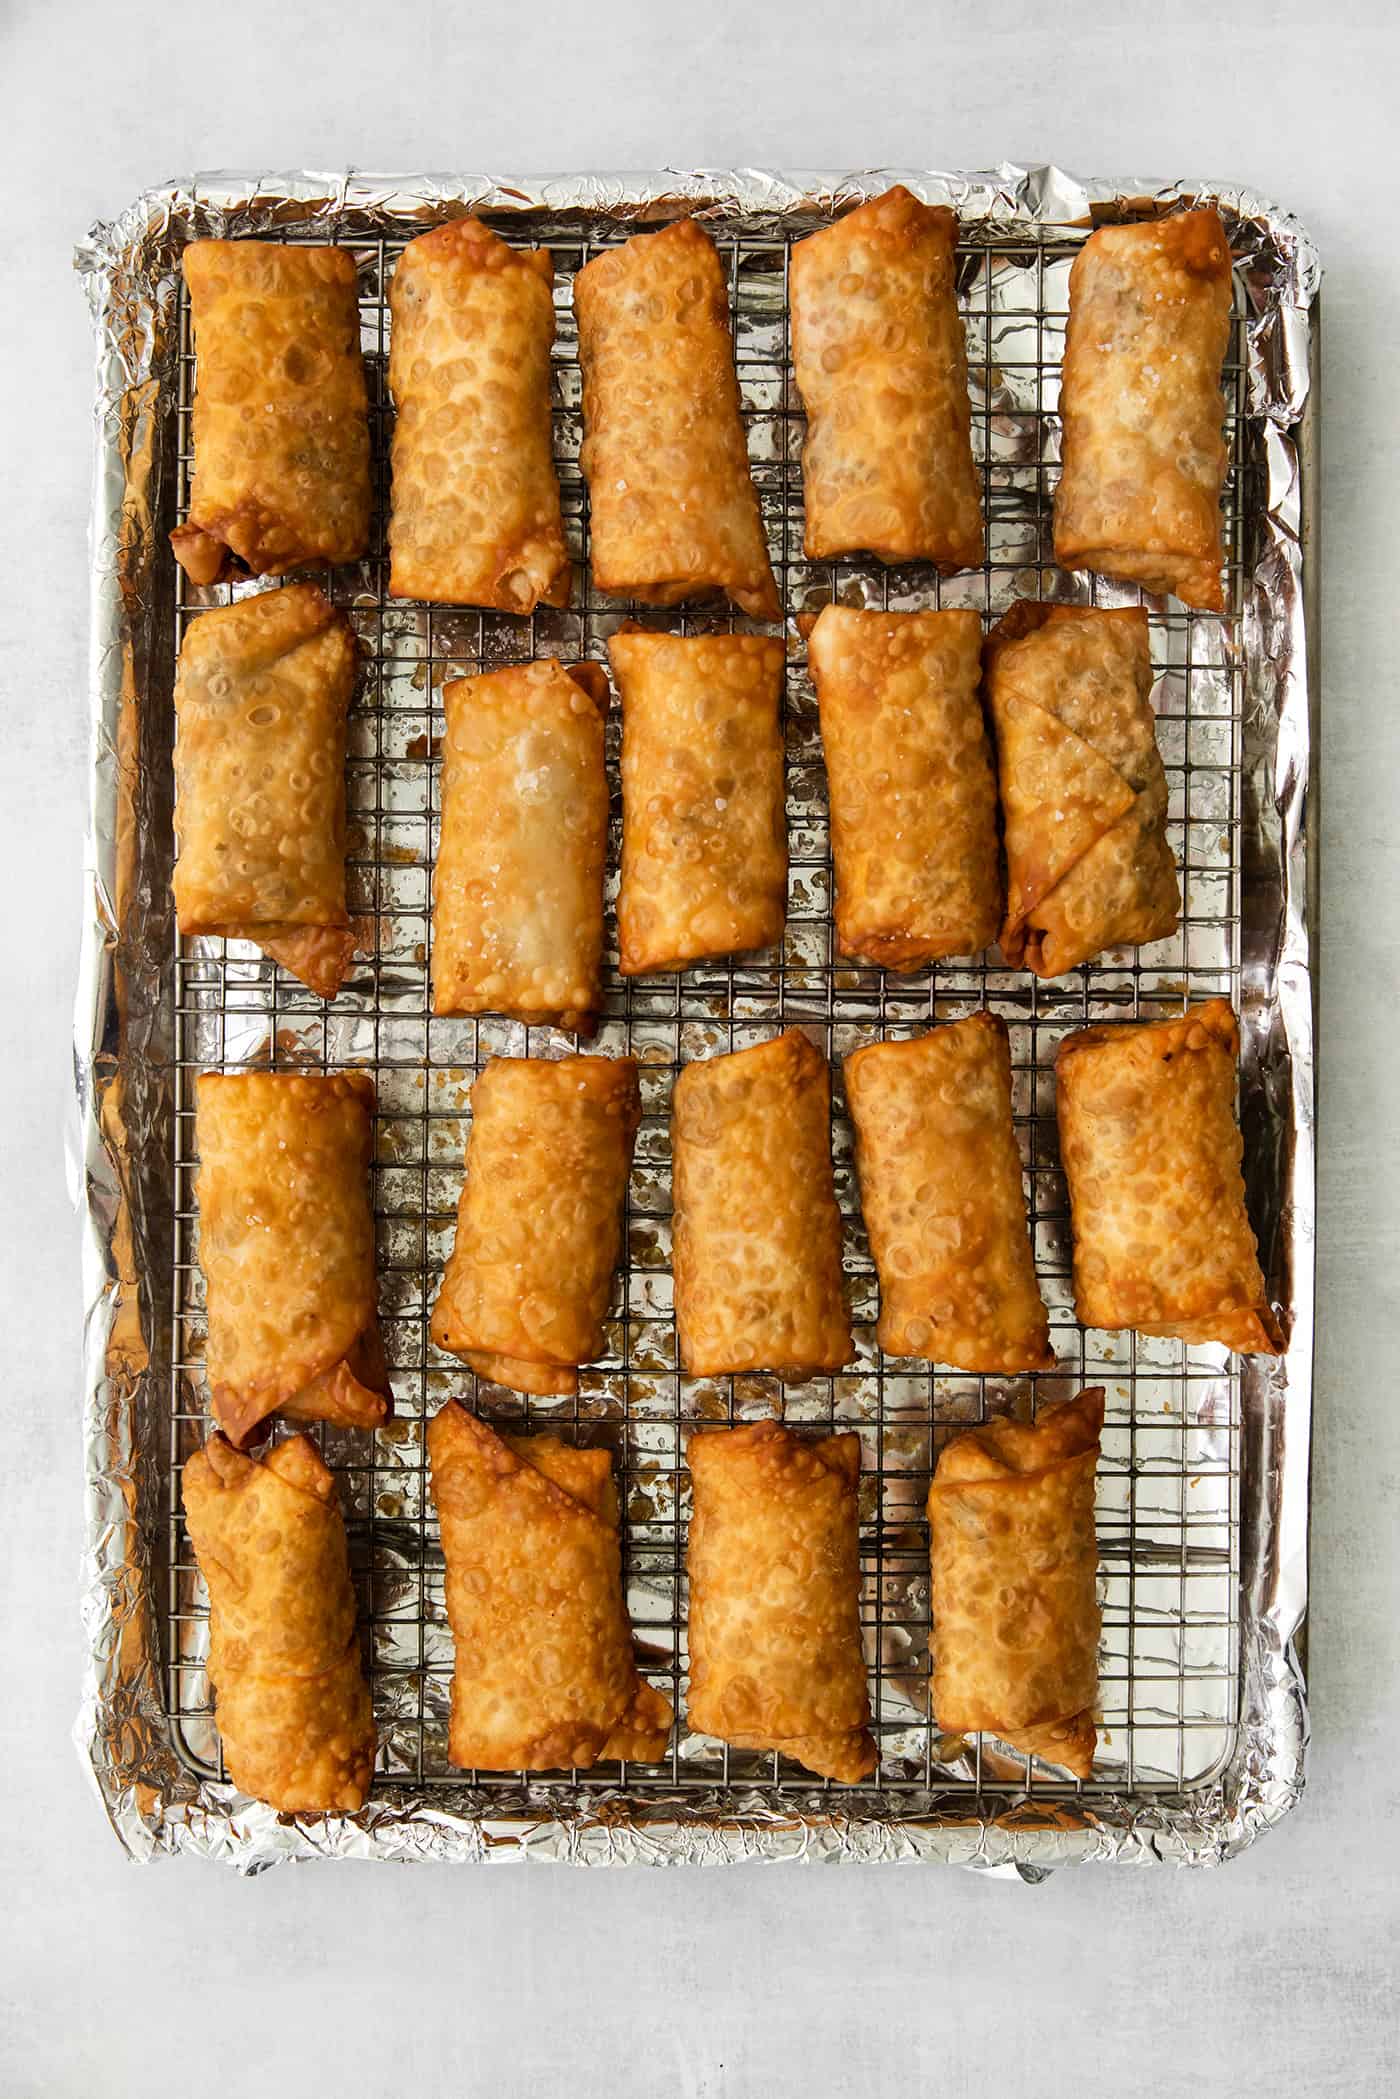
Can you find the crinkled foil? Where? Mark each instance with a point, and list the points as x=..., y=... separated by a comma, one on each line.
x=123, y=1053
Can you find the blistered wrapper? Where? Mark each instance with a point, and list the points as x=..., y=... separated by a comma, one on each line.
x=131, y=1091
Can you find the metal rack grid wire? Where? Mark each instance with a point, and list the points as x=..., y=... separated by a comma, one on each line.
x=1168, y=1494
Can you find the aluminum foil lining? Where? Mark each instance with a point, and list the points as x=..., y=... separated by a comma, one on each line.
x=130, y=268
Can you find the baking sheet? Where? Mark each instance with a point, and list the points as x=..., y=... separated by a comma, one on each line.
x=1203, y=1495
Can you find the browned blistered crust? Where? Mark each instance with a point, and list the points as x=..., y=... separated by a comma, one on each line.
x=1083, y=788
x=286, y=1242
x=1015, y=1561
x=284, y=1655
x=673, y=508
x=281, y=430
x=524, y=1296
x=546, y=1675
x=881, y=364
x=1143, y=450
x=1152, y=1155
x=260, y=736
x=474, y=516
x=774, y=1559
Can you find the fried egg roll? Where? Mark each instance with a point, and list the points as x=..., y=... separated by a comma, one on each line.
x=545, y=1674
x=1015, y=1570
x=704, y=832
x=941, y=1192
x=913, y=796
x=673, y=508
x=881, y=364
x=1152, y=1156
x=774, y=1564
x=524, y=1297
x=1083, y=788
x=1143, y=452
x=281, y=428
x=260, y=710
x=518, y=889
x=757, y=1234
x=284, y=1656
x=286, y=1242
x=474, y=517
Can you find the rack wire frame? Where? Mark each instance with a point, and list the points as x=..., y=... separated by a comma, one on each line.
x=1168, y=1508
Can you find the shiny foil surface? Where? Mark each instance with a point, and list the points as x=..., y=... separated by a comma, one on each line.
x=154, y=1764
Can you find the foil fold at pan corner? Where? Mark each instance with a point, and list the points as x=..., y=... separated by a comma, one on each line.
x=130, y=270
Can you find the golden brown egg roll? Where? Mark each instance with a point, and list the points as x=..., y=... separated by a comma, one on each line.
x=774, y=1564
x=673, y=507
x=286, y=1241
x=704, y=832
x=941, y=1192
x=518, y=889
x=1083, y=789
x=525, y=1293
x=1152, y=1153
x=913, y=795
x=881, y=364
x=545, y=1674
x=284, y=1656
x=757, y=1234
x=1015, y=1568
x=260, y=707
x=281, y=429
x=474, y=517
x=1143, y=452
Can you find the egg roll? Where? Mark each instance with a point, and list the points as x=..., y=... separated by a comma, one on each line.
x=757, y=1234
x=1015, y=1570
x=1143, y=452
x=474, y=515
x=284, y=1656
x=518, y=888
x=704, y=832
x=1152, y=1157
x=913, y=796
x=281, y=426
x=260, y=732
x=673, y=508
x=525, y=1293
x=774, y=1565
x=881, y=365
x=1083, y=789
x=286, y=1242
x=545, y=1676
x=942, y=1196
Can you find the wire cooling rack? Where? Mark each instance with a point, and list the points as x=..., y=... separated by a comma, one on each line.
x=1168, y=1491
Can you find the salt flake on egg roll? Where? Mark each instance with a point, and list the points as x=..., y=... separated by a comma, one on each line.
x=545, y=1674
x=673, y=508
x=881, y=364
x=1143, y=453
x=474, y=516
x=281, y=429
x=1152, y=1155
